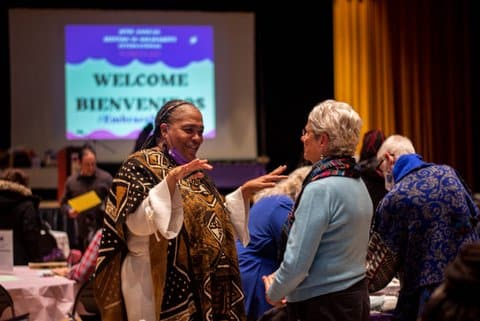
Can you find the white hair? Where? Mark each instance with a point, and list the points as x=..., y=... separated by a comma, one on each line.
x=396, y=145
x=340, y=122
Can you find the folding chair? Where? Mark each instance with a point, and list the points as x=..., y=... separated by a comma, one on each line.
x=6, y=302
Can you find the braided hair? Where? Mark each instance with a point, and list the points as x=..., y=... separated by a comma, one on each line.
x=163, y=116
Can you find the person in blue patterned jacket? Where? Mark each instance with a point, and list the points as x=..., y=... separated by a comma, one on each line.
x=427, y=216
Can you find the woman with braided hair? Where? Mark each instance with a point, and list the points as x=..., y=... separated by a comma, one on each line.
x=168, y=245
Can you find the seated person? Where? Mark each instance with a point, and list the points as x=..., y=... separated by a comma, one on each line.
x=82, y=271
x=19, y=212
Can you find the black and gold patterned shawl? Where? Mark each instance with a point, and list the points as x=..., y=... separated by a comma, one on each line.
x=195, y=275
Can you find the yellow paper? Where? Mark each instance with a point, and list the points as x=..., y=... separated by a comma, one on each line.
x=85, y=201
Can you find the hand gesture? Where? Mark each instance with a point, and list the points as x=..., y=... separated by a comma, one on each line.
x=72, y=213
x=192, y=169
x=63, y=271
x=268, y=280
x=268, y=180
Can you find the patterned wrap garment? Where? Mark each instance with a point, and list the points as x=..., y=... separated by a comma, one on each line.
x=195, y=275
x=425, y=219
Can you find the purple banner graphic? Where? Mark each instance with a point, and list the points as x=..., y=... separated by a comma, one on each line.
x=120, y=44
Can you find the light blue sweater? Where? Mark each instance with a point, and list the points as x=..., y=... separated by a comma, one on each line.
x=327, y=244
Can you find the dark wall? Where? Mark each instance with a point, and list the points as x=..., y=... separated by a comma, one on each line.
x=475, y=88
x=5, y=77
x=295, y=72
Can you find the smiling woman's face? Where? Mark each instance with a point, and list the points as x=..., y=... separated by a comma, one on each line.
x=184, y=133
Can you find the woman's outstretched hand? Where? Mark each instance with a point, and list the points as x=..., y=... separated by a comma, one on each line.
x=268, y=180
x=267, y=281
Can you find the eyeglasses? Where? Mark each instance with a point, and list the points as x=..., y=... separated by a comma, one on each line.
x=380, y=164
x=306, y=131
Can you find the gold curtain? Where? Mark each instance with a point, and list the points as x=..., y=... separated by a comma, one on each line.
x=362, y=61
x=405, y=66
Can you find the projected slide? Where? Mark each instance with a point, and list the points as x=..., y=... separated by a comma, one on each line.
x=118, y=76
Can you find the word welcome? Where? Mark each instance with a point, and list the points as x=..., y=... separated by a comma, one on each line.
x=141, y=80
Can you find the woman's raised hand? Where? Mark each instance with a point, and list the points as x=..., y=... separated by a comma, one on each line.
x=192, y=169
x=268, y=180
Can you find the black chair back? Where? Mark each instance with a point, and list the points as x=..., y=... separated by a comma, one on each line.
x=6, y=301
x=22, y=317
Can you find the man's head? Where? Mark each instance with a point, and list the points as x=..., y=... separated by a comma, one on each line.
x=88, y=161
x=392, y=148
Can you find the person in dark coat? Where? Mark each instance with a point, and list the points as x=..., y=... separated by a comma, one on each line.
x=19, y=212
x=372, y=140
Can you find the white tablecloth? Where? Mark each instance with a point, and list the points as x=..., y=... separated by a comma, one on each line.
x=46, y=298
x=385, y=300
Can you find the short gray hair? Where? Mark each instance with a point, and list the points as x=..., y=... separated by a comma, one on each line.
x=340, y=122
x=396, y=145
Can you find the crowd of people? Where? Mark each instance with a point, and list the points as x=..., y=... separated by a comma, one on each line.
x=165, y=244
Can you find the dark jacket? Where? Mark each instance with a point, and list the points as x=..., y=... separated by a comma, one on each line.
x=19, y=212
x=373, y=180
